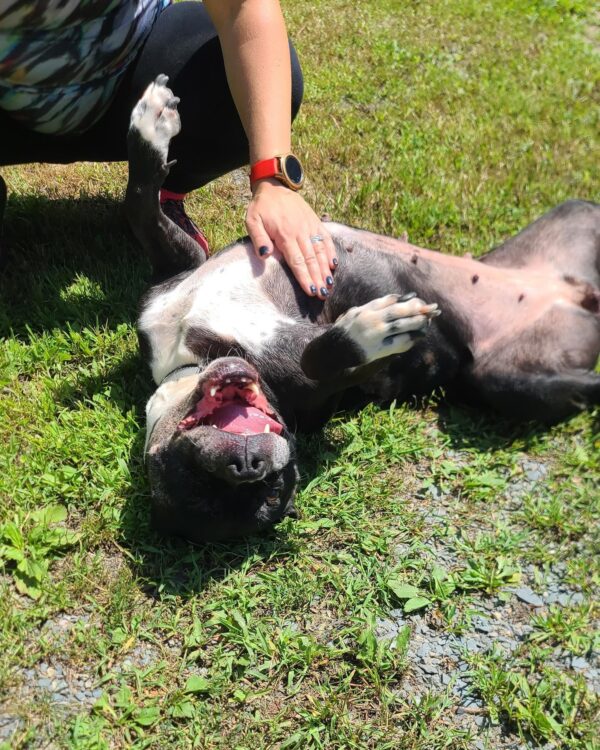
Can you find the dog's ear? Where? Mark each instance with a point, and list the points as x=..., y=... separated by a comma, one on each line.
x=292, y=512
x=290, y=509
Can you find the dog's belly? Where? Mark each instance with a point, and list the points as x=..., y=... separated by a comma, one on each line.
x=224, y=298
x=499, y=303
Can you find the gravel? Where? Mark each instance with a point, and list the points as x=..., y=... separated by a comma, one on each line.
x=437, y=658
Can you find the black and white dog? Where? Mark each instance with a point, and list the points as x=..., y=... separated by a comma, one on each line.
x=242, y=359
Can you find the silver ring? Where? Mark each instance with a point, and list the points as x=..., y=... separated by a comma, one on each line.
x=316, y=238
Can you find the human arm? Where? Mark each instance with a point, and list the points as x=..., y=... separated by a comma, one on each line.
x=255, y=49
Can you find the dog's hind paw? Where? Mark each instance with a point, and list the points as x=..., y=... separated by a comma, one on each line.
x=387, y=325
x=155, y=116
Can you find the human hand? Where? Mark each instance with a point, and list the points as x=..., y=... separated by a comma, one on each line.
x=279, y=217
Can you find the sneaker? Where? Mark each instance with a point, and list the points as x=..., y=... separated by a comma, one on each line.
x=173, y=208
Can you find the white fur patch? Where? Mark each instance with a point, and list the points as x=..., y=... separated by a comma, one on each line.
x=224, y=297
x=382, y=327
x=155, y=116
x=163, y=398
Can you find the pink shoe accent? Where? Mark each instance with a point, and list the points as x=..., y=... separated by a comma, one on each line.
x=168, y=195
x=172, y=206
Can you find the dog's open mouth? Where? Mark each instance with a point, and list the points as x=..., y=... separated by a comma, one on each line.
x=233, y=403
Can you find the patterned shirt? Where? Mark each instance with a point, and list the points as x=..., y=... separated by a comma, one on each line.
x=62, y=60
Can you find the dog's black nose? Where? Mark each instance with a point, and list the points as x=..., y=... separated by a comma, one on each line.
x=248, y=468
x=245, y=461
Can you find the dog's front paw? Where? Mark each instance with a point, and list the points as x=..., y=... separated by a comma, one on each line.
x=388, y=325
x=155, y=119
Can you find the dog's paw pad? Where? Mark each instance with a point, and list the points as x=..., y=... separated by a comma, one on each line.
x=155, y=116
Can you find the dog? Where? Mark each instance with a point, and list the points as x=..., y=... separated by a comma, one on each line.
x=243, y=359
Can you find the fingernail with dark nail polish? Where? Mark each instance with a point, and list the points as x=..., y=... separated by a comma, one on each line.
x=329, y=281
x=313, y=289
x=335, y=261
x=263, y=250
x=324, y=292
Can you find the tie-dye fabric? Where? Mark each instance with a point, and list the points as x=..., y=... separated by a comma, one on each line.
x=61, y=60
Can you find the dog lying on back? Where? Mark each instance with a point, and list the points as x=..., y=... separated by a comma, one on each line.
x=242, y=359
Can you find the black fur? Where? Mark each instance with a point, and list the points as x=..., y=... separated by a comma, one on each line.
x=209, y=484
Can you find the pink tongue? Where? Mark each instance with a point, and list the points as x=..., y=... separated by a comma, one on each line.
x=243, y=420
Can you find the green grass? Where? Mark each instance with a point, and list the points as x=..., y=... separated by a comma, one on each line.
x=455, y=122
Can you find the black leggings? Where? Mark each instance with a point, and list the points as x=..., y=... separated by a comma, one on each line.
x=183, y=44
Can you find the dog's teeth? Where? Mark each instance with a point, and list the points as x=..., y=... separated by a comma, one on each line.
x=227, y=381
x=267, y=428
x=213, y=391
x=254, y=388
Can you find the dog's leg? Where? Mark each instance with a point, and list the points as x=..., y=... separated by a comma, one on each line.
x=567, y=237
x=542, y=397
x=154, y=121
x=379, y=329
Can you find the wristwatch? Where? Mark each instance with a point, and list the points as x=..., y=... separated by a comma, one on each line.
x=286, y=169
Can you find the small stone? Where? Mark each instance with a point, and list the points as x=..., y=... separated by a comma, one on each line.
x=578, y=662
x=434, y=492
x=525, y=594
x=424, y=650
x=81, y=695
x=51, y=672
x=428, y=668
x=44, y=683
x=481, y=624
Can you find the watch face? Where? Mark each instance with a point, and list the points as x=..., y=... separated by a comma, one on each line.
x=293, y=169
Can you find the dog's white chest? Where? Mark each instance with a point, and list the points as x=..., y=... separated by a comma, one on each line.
x=233, y=306
x=223, y=299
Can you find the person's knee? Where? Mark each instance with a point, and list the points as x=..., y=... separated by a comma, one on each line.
x=297, y=82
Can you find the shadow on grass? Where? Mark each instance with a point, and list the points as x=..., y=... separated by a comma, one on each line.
x=128, y=385
x=469, y=428
x=68, y=263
